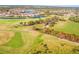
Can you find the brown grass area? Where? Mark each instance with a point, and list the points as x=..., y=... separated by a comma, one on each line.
x=54, y=42
x=5, y=36
x=3, y=27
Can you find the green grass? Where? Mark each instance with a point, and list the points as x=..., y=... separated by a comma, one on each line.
x=8, y=21
x=29, y=42
x=14, y=21
x=16, y=41
x=69, y=27
x=38, y=39
x=32, y=44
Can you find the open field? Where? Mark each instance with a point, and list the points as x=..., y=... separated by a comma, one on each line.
x=15, y=41
x=13, y=21
x=25, y=40
x=67, y=27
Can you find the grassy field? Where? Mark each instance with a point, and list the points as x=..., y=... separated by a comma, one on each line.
x=14, y=21
x=26, y=40
x=16, y=40
x=67, y=27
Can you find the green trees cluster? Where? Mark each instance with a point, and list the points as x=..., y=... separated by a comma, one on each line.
x=74, y=18
x=48, y=21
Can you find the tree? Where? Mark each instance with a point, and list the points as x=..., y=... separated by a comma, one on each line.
x=31, y=23
x=24, y=24
x=74, y=18
x=21, y=23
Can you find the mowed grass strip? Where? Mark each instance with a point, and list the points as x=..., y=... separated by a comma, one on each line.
x=16, y=41
x=38, y=40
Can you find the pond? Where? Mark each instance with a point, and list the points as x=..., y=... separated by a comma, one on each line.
x=38, y=16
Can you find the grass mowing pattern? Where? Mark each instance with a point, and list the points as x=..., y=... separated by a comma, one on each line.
x=16, y=41
x=38, y=40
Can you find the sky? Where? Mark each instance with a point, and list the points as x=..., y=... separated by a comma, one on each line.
x=39, y=2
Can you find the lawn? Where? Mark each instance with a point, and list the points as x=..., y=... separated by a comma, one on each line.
x=38, y=40
x=67, y=27
x=30, y=41
x=34, y=43
x=16, y=41
x=14, y=21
